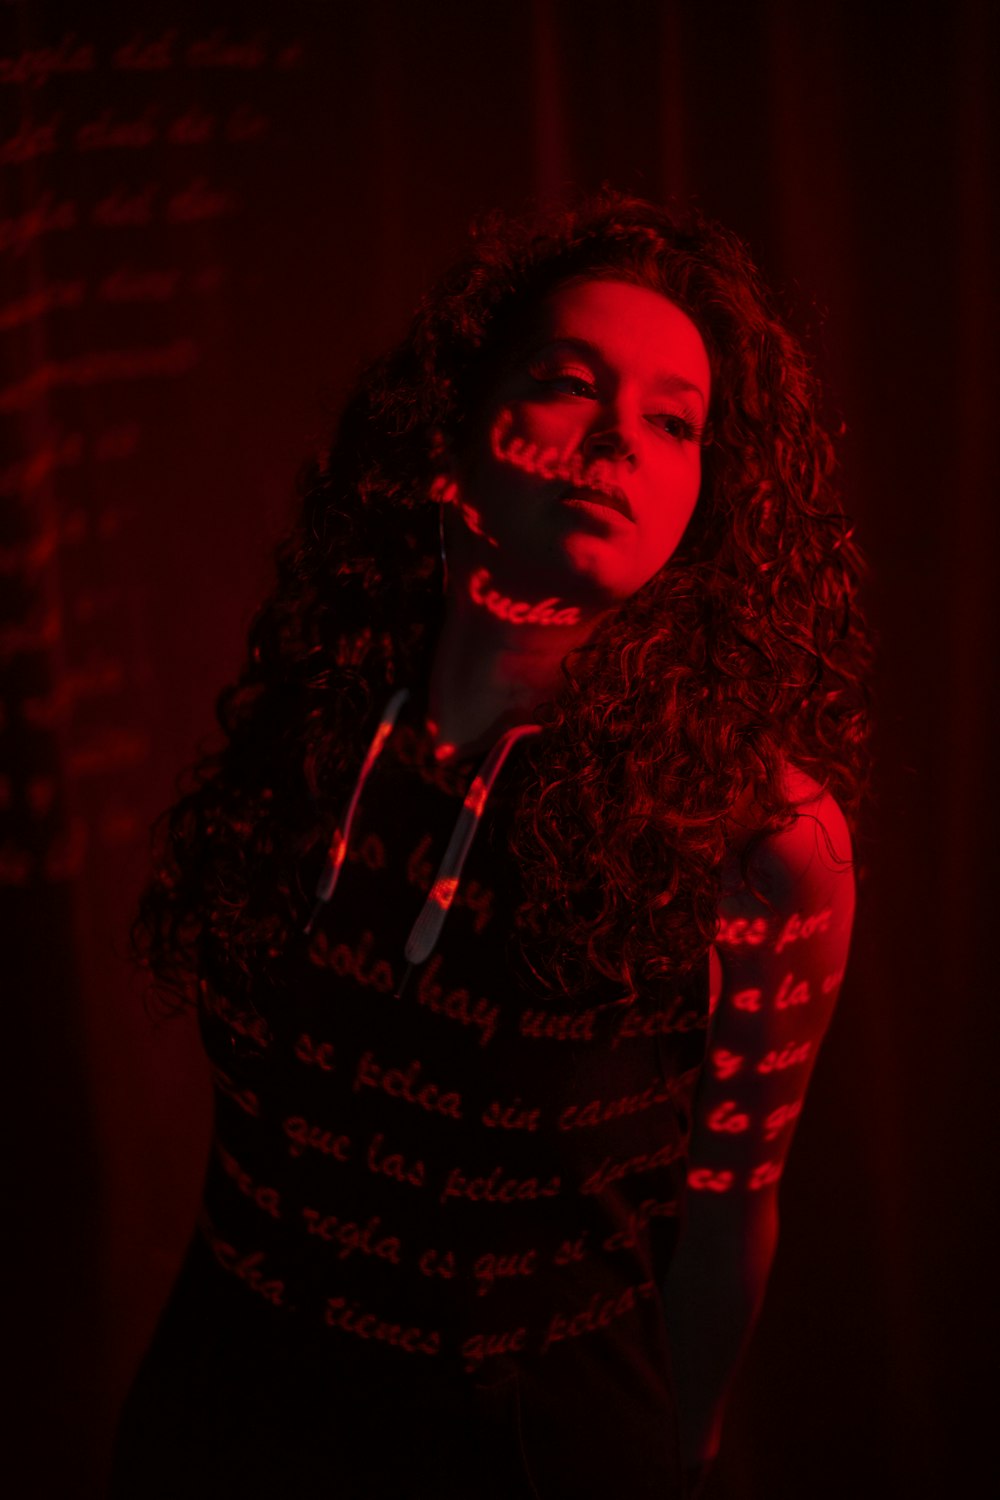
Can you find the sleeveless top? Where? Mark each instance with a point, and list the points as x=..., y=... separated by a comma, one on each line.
x=440, y=1174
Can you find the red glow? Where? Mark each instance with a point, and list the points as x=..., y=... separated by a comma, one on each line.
x=548, y=463
x=475, y=799
x=522, y=612
x=726, y=1117
x=702, y=1179
x=443, y=891
x=444, y=491
x=796, y=928
x=741, y=931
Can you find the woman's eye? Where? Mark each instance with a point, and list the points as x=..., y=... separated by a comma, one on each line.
x=573, y=384
x=674, y=424
x=678, y=426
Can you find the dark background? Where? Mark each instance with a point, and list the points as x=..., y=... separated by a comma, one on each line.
x=184, y=303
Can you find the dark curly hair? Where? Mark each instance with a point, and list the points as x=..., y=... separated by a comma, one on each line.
x=745, y=652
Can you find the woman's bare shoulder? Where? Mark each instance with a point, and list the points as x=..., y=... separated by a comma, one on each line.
x=815, y=808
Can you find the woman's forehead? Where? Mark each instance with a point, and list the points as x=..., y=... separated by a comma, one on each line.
x=625, y=321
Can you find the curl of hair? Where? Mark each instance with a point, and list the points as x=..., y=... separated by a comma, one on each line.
x=676, y=719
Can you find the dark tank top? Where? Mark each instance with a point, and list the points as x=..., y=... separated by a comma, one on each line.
x=447, y=1190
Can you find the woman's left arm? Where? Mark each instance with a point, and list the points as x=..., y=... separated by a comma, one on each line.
x=776, y=973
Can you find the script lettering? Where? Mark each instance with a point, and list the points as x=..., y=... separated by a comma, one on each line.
x=646, y=1161
x=789, y=994
x=599, y=1312
x=742, y=933
x=437, y=1263
x=559, y=1026
x=702, y=1179
x=350, y=1236
x=394, y=1164
x=245, y=1098
x=599, y=1112
x=30, y=142
x=492, y=1190
x=510, y=1116
x=318, y=1054
x=344, y=960
x=649, y=1209
x=789, y=1056
x=456, y=1005
x=340, y=1314
x=490, y=1267
x=661, y=1023
x=305, y=1137
x=400, y=1084
x=266, y=1198
x=796, y=928
x=483, y=1346
x=248, y=1267
x=728, y=1118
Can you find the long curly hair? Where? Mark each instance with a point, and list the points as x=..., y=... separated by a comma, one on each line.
x=746, y=651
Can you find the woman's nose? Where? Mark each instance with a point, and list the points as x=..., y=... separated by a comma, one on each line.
x=612, y=439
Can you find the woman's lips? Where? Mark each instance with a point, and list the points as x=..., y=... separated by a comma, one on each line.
x=610, y=499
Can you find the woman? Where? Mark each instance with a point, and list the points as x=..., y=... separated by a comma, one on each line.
x=517, y=903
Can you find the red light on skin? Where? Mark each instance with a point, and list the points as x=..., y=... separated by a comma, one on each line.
x=796, y=928
x=764, y=1175
x=549, y=463
x=522, y=612
x=726, y=1063
x=788, y=1057
x=779, y=1118
x=703, y=1180
x=740, y=932
x=725, y=1118
x=788, y=994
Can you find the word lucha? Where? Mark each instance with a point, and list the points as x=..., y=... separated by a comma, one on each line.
x=519, y=613
x=550, y=463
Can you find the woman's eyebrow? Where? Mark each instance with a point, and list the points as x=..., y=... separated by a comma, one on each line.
x=665, y=380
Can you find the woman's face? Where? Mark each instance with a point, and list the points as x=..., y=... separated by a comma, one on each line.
x=607, y=389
